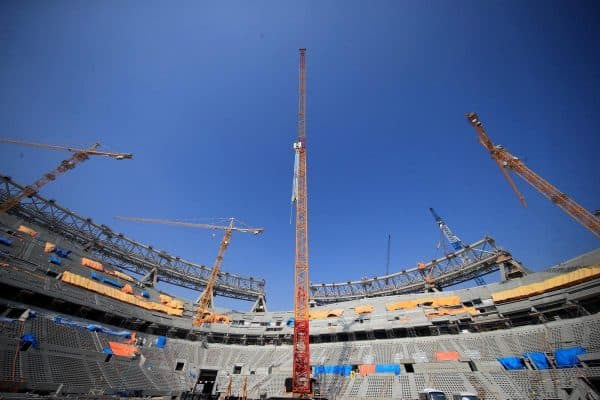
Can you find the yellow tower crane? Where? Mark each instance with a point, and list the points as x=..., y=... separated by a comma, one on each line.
x=79, y=155
x=506, y=160
x=204, y=312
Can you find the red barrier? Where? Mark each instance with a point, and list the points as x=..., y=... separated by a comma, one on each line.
x=122, y=349
x=366, y=369
x=446, y=356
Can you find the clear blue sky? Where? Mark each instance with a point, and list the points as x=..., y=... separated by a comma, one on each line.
x=205, y=95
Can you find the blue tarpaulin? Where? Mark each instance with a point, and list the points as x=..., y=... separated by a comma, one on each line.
x=91, y=327
x=98, y=328
x=511, y=363
x=62, y=252
x=566, y=358
x=123, y=334
x=112, y=283
x=94, y=328
x=107, y=350
x=6, y=241
x=387, y=369
x=29, y=339
x=538, y=359
x=161, y=341
x=61, y=321
x=103, y=279
x=343, y=370
x=54, y=260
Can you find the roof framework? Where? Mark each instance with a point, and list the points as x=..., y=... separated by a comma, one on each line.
x=124, y=253
x=478, y=259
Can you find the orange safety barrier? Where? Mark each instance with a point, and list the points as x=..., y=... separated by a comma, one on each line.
x=451, y=311
x=127, y=289
x=86, y=262
x=400, y=305
x=427, y=302
x=317, y=315
x=441, y=301
x=122, y=349
x=325, y=314
x=171, y=303
x=446, y=356
x=366, y=369
x=365, y=309
x=222, y=319
x=105, y=290
x=26, y=230
x=123, y=276
x=165, y=299
x=335, y=313
x=49, y=247
x=548, y=285
x=176, y=304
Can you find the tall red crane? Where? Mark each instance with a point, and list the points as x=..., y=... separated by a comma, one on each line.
x=505, y=160
x=301, y=362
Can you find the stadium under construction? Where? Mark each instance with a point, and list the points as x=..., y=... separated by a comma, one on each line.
x=75, y=321
x=81, y=314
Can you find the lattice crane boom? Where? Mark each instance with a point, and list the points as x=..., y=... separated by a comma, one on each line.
x=79, y=156
x=203, y=312
x=255, y=231
x=301, y=351
x=454, y=241
x=505, y=159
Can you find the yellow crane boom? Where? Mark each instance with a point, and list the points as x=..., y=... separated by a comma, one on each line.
x=79, y=155
x=203, y=312
x=505, y=160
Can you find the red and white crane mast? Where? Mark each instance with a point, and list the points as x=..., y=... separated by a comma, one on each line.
x=301, y=352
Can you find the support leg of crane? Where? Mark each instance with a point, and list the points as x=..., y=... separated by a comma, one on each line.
x=260, y=305
x=150, y=278
x=514, y=269
x=154, y=276
x=503, y=272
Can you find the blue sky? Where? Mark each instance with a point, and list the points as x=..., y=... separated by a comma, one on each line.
x=205, y=96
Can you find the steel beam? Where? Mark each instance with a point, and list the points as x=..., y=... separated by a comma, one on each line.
x=478, y=259
x=124, y=253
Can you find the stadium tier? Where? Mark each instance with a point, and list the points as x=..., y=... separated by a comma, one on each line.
x=75, y=324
